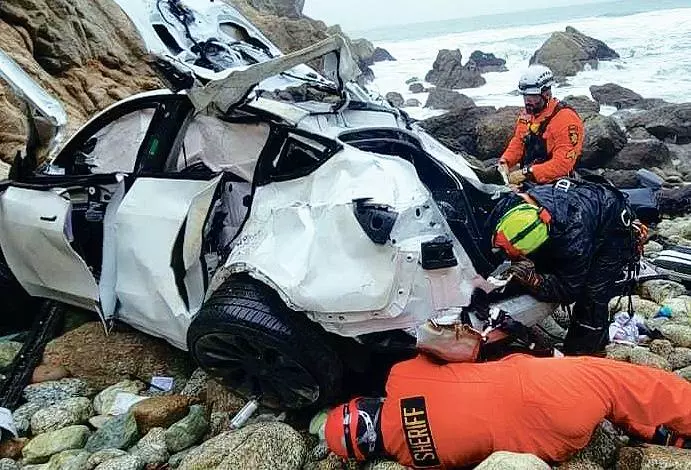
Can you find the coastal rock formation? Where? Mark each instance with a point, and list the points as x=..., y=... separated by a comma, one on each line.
x=448, y=71
x=568, y=52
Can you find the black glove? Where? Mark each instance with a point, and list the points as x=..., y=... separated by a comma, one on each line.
x=524, y=273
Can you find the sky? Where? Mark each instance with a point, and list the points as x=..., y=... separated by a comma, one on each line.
x=364, y=14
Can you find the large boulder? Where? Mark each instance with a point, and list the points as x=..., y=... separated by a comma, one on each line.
x=487, y=62
x=568, y=52
x=457, y=129
x=583, y=105
x=671, y=123
x=603, y=140
x=395, y=99
x=638, y=154
x=289, y=8
x=623, y=179
x=443, y=98
x=615, y=95
x=650, y=457
x=448, y=71
x=382, y=55
x=104, y=360
x=512, y=461
x=494, y=131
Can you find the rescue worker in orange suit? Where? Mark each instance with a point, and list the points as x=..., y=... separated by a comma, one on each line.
x=457, y=414
x=548, y=140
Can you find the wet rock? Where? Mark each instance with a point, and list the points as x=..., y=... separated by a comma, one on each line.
x=487, y=62
x=99, y=420
x=77, y=461
x=412, y=103
x=188, y=431
x=22, y=416
x=651, y=457
x=679, y=335
x=196, y=386
x=619, y=352
x=583, y=105
x=603, y=447
x=684, y=373
x=671, y=123
x=416, y=88
x=8, y=351
x=49, y=393
x=9, y=464
x=448, y=71
x=457, y=129
x=641, y=154
x=644, y=357
x=681, y=307
x=603, y=140
x=97, y=458
x=568, y=52
x=118, y=433
x=64, y=459
x=395, y=99
x=384, y=465
x=43, y=446
x=611, y=94
x=64, y=413
x=176, y=459
x=160, y=412
x=662, y=348
x=12, y=448
x=443, y=98
x=512, y=461
x=104, y=400
x=680, y=358
x=266, y=446
x=643, y=307
x=220, y=399
x=45, y=373
x=152, y=448
x=652, y=247
x=382, y=55
x=105, y=360
x=127, y=462
x=623, y=179
x=494, y=131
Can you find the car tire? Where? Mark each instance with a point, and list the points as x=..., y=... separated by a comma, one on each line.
x=248, y=339
x=17, y=308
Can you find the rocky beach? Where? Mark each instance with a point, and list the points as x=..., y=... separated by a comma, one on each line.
x=91, y=403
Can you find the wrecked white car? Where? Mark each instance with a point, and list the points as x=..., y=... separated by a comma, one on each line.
x=280, y=243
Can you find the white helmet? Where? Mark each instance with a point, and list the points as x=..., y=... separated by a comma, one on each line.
x=535, y=80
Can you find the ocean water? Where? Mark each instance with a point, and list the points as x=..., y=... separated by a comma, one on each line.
x=653, y=39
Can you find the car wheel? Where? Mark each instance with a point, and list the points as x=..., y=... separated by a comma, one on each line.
x=17, y=308
x=249, y=340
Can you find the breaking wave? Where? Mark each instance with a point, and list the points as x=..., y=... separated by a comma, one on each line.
x=655, y=50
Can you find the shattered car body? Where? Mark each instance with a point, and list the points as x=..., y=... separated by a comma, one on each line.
x=245, y=228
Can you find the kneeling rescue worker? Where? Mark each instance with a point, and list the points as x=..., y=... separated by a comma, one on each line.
x=568, y=242
x=548, y=139
x=458, y=414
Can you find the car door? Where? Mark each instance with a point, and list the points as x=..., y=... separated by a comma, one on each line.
x=52, y=224
x=165, y=218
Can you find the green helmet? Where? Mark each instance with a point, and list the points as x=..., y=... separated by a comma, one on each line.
x=522, y=230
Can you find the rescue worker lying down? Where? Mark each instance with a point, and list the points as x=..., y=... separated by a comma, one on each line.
x=458, y=414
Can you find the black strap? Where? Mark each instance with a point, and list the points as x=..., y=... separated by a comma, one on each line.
x=543, y=125
x=347, y=417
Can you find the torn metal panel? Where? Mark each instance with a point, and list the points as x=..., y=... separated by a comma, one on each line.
x=36, y=237
x=303, y=238
x=238, y=83
x=148, y=224
x=47, y=109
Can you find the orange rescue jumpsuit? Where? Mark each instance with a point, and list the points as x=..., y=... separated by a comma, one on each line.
x=458, y=414
x=563, y=138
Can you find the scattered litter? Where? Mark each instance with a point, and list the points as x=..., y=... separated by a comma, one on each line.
x=625, y=329
x=244, y=414
x=123, y=402
x=161, y=384
x=7, y=423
